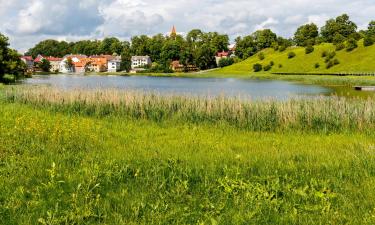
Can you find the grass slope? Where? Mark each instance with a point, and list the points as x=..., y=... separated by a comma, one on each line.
x=359, y=60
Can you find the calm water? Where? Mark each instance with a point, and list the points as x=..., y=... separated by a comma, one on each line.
x=255, y=89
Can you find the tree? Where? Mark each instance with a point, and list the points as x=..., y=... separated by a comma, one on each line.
x=10, y=62
x=245, y=47
x=69, y=63
x=341, y=25
x=44, y=65
x=306, y=35
x=368, y=41
x=50, y=48
x=126, y=57
x=205, y=57
x=351, y=45
x=109, y=46
x=264, y=38
x=371, y=28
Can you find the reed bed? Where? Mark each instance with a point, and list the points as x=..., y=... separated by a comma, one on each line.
x=326, y=114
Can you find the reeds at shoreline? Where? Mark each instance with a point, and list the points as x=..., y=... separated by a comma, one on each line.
x=317, y=114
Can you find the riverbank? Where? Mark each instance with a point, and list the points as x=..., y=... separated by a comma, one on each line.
x=98, y=162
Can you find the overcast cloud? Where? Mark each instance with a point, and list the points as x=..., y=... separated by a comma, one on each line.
x=27, y=22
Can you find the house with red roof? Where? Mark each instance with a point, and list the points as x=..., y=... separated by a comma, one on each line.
x=54, y=61
x=29, y=61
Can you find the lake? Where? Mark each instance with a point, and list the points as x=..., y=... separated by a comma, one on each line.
x=254, y=89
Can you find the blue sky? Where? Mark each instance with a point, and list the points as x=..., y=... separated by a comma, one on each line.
x=26, y=22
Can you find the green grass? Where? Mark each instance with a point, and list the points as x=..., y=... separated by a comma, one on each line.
x=359, y=60
x=63, y=165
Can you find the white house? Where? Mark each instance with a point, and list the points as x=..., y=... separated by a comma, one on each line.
x=114, y=64
x=140, y=61
x=77, y=64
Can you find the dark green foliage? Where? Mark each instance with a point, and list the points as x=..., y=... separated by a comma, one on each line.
x=272, y=63
x=267, y=67
x=317, y=65
x=368, y=41
x=329, y=64
x=351, y=45
x=44, y=65
x=309, y=49
x=339, y=46
x=257, y=67
x=371, y=29
x=280, y=65
x=291, y=55
x=10, y=62
x=324, y=54
x=261, y=56
x=336, y=62
x=306, y=35
x=282, y=48
x=339, y=26
x=225, y=62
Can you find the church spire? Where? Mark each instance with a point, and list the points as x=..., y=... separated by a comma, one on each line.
x=173, y=32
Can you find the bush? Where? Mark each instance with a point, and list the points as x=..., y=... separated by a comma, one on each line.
x=257, y=67
x=324, y=54
x=272, y=63
x=267, y=68
x=329, y=64
x=336, y=62
x=368, y=41
x=225, y=62
x=7, y=79
x=351, y=45
x=261, y=56
x=309, y=49
x=291, y=55
x=282, y=48
x=280, y=65
x=340, y=46
x=317, y=65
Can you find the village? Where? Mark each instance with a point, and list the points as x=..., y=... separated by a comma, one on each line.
x=80, y=63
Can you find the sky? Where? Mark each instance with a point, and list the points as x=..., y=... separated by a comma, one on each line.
x=26, y=22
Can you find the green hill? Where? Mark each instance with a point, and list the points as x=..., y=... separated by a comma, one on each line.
x=361, y=59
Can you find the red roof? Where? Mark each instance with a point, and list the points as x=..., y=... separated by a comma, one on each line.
x=222, y=54
x=49, y=58
x=28, y=58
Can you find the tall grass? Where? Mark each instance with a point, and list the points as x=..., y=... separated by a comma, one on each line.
x=331, y=114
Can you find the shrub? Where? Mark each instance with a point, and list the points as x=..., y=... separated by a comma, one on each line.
x=257, y=67
x=368, y=41
x=282, y=48
x=340, y=46
x=272, y=63
x=336, y=62
x=309, y=49
x=280, y=65
x=7, y=79
x=291, y=55
x=317, y=65
x=261, y=56
x=351, y=44
x=267, y=68
x=225, y=62
x=324, y=54
x=329, y=64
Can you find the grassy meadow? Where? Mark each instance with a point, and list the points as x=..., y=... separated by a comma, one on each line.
x=110, y=157
x=359, y=60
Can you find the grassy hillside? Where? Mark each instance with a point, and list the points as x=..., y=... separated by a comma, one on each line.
x=359, y=60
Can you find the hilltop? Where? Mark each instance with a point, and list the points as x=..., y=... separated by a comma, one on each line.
x=360, y=59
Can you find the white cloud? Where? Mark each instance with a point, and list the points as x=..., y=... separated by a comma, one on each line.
x=27, y=22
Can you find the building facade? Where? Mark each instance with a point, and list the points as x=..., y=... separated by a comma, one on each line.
x=29, y=61
x=140, y=61
x=114, y=64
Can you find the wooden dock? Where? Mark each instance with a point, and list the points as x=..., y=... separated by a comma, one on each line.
x=365, y=88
